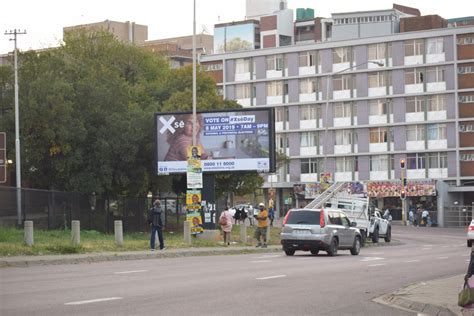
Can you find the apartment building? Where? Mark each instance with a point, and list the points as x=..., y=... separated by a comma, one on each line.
x=354, y=108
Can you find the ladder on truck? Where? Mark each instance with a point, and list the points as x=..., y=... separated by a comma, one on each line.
x=321, y=200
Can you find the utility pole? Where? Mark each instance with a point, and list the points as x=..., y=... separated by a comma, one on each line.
x=16, y=32
x=194, y=74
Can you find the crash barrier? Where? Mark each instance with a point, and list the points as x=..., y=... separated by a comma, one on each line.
x=187, y=232
x=243, y=232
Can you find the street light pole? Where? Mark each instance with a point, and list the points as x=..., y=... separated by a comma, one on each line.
x=326, y=123
x=194, y=74
x=16, y=32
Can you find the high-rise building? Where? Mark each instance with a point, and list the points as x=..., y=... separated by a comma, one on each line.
x=353, y=108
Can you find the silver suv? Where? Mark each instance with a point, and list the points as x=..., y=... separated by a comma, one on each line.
x=314, y=230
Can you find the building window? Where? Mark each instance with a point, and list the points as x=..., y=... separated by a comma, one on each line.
x=275, y=62
x=243, y=91
x=467, y=157
x=242, y=66
x=413, y=76
x=437, y=160
x=379, y=107
x=220, y=91
x=437, y=132
x=346, y=164
x=310, y=85
x=466, y=70
x=308, y=139
x=309, y=165
x=342, y=110
x=282, y=142
x=415, y=133
x=213, y=67
x=466, y=99
x=468, y=40
x=435, y=74
x=275, y=88
x=435, y=45
x=415, y=161
x=378, y=135
x=307, y=59
x=281, y=114
x=342, y=55
x=437, y=102
x=381, y=163
x=308, y=112
x=377, y=51
x=414, y=105
x=345, y=137
x=380, y=79
x=343, y=82
x=414, y=47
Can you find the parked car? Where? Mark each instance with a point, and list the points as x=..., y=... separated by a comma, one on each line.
x=470, y=234
x=318, y=229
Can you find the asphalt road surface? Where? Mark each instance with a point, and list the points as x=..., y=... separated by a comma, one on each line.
x=266, y=284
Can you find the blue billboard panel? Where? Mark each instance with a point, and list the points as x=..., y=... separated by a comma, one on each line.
x=236, y=140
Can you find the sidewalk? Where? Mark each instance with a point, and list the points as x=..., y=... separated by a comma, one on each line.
x=436, y=297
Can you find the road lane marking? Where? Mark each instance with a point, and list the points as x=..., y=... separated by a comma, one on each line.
x=133, y=271
x=409, y=261
x=375, y=253
x=428, y=245
x=105, y=299
x=261, y=261
x=426, y=248
x=371, y=259
x=466, y=255
x=377, y=265
x=272, y=277
x=268, y=256
x=447, y=246
x=442, y=258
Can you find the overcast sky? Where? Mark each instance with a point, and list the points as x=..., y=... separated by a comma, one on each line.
x=44, y=20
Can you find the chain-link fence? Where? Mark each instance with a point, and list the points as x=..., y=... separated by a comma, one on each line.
x=50, y=209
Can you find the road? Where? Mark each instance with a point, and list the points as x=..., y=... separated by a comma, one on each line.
x=272, y=284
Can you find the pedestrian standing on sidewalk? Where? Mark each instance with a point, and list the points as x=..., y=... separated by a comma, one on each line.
x=225, y=220
x=262, y=226
x=271, y=215
x=469, y=309
x=156, y=219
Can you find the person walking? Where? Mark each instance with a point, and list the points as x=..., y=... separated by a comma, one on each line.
x=469, y=309
x=262, y=225
x=225, y=220
x=156, y=219
x=271, y=215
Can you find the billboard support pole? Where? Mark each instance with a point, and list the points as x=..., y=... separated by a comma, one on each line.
x=194, y=74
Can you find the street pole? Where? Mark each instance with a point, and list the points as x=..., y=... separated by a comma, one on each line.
x=16, y=32
x=194, y=75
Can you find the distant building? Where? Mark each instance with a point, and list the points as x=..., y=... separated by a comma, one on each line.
x=127, y=32
x=360, y=91
x=254, y=9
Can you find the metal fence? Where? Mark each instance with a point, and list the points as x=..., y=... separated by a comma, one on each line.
x=458, y=216
x=50, y=209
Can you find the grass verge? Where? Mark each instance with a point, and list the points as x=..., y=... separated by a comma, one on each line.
x=49, y=242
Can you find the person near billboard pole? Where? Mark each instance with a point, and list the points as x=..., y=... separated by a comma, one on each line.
x=225, y=221
x=262, y=226
x=182, y=138
x=156, y=218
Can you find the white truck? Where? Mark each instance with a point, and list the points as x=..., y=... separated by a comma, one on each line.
x=370, y=222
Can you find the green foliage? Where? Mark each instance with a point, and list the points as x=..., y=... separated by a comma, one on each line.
x=87, y=114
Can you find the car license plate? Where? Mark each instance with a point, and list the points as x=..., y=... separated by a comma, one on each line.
x=302, y=231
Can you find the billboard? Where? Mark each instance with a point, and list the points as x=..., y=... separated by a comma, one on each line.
x=234, y=38
x=232, y=140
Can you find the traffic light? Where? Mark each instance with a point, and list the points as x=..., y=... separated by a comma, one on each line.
x=403, y=195
x=402, y=163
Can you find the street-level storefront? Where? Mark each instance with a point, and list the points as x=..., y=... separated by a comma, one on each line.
x=420, y=196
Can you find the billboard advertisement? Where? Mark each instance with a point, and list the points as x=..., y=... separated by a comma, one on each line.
x=234, y=38
x=232, y=140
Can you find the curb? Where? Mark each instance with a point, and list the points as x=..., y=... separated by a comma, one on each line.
x=396, y=301
x=24, y=262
